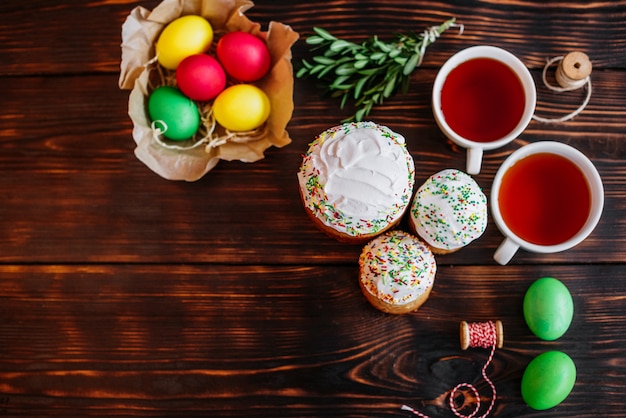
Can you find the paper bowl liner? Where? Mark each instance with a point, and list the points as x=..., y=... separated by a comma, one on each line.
x=189, y=160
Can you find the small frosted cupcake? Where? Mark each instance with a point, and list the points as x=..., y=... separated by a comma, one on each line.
x=449, y=211
x=356, y=180
x=396, y=272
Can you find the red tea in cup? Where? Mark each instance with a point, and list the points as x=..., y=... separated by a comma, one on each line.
x=483, y=99
x=544, y=199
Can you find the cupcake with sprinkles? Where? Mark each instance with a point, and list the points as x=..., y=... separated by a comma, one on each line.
x=449, y=211
x=396, y=272
x=356, y=181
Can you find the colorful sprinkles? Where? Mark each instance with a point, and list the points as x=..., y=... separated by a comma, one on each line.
x=397, y=267
x=315, y=193
x=449, y=210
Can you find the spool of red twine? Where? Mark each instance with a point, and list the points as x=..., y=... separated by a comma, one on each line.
x=488, y=335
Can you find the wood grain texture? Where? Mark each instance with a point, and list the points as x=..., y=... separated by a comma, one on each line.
x=123, y=294
x=81, y=148
x=284, y=341
x=73, y=36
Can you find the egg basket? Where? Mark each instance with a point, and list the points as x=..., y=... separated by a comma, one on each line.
x=190, y=160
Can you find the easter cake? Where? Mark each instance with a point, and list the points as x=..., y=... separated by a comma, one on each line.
x=449, y=211
x=356, y=180
x=396, y=272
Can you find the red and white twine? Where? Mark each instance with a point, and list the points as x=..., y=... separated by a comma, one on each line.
x=482, y=335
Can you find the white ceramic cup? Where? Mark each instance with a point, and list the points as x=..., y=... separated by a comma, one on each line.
x=512, y=242
x=475, y=148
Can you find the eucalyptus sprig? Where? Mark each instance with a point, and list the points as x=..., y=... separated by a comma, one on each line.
x=369, y=72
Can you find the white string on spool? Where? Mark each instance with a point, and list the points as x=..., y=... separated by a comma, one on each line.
x=573, y=72
x=475, y=335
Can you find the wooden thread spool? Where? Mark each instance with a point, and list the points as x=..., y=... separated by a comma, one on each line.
x=466, y=338
x=475, y=334
x=573, y=70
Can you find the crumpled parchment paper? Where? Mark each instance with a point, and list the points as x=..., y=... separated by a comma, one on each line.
x=140, y=32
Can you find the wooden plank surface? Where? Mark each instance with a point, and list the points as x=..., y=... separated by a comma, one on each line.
x=285, y=341
x=123, y=294
x=81, y=149
x=74, y=36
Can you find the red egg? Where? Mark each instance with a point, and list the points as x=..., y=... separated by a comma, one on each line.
x=200, y=77
x=245, y=57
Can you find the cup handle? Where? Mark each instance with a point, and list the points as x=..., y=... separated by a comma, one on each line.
x=474, y=160
x=505, y=251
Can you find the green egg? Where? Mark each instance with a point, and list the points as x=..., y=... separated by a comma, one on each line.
x=548, y=379
x=172, y=112
x=548, y=308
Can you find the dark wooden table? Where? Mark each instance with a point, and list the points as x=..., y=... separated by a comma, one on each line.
x=124, y=294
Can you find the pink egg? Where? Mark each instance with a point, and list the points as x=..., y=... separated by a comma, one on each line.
x=200, y=77
x=245, y=57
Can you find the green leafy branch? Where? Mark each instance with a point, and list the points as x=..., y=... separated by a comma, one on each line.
x=369, y=72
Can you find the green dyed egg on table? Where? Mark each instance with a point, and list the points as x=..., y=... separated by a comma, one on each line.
x=176, y=115
x=548, y=379
x=548, y=308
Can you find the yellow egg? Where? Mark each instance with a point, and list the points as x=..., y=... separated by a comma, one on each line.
x=185, y=36
x=242, y=107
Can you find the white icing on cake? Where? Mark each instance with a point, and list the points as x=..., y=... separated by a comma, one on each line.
x=397, y=267
x=449, y=210
x=357, y=177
